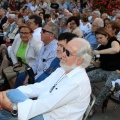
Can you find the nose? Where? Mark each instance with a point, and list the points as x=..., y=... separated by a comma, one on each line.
x=98, y=40
x=64, y=54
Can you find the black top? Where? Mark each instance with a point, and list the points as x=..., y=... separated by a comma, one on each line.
x=109, y=62
x=54, y=5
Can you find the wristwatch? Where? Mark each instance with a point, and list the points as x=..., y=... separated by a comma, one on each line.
x=14, y=111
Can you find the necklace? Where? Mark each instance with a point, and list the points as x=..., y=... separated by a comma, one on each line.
x=52, y=88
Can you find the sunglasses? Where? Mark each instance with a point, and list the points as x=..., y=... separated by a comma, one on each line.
x=66, y=51
x=44, y=31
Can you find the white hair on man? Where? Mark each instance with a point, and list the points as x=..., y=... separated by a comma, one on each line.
x=84, y=51
x=11, y=16
x=96, y=13
x=100, y=22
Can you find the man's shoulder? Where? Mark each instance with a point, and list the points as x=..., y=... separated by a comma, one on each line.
x=37, y=30
x=52, y=45
x=90, y=35
x=34, y=40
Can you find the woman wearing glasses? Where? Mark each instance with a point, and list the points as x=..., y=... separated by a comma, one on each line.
x=73, y=26
x=25, y=46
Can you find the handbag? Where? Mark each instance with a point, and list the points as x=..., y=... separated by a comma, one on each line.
x=11, y=72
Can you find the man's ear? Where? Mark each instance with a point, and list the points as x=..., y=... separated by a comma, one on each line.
x=79, y=61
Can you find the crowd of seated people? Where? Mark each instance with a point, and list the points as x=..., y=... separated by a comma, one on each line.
x=41, y=34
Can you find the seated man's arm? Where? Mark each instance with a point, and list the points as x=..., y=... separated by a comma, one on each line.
x=5, y=103
x=47, y=61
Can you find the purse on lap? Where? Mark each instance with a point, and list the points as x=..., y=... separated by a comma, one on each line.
x=11, y=72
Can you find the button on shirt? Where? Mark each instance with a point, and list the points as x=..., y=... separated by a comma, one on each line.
x=45, y=57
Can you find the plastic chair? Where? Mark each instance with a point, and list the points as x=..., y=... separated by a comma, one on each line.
x=92, y=101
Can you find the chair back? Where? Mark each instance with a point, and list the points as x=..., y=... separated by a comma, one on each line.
x=92, y=101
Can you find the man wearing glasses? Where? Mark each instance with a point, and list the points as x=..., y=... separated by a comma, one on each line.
x=90, y=37
x=48, y=52
x=62, y=40
x=35, y=23
x=64, y=95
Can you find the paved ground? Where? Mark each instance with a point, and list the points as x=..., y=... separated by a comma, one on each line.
x=111, y=113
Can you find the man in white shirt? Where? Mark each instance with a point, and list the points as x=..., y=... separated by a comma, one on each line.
x=35, y=22
x=64, y=95
x=43, y=5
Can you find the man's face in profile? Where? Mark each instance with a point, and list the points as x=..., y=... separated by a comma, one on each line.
x=61, y=45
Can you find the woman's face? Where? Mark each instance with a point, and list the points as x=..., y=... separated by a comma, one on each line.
x=102, y=39
x=73, y=25
x=109, y=28
x=107, y=22
x=25, y=34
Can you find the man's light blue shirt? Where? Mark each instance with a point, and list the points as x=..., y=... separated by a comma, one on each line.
x=45, y=57
x=91, y=38
x=64, y=6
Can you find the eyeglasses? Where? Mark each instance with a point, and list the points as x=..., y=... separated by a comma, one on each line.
x=94, y=25
x=67, y=52
x=24, y=33
x=43, y=30
x=72, y=23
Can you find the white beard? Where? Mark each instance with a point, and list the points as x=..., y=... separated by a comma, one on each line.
x=68, y=68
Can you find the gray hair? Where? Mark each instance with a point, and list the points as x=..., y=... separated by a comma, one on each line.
x=64, y=20
x=11, y=16
x=54, y=29
x=100, y=22
x=84, y=51
x=97, y=13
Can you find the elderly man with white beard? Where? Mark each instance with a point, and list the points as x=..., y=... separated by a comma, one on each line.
x=64, y=95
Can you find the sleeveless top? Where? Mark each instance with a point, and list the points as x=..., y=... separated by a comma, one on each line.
x=109, y=62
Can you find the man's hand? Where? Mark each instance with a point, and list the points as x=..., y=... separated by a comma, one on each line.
x=5, y=103
x=7, y=40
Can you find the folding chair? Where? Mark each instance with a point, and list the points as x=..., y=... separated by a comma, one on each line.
x=92, y=101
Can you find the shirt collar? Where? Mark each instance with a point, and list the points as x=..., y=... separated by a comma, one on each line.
x=38, y=29
x=53, y=42
x=75, y=71
x=12, y=23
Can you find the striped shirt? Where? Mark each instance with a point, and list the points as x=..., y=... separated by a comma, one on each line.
x=45, y=57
